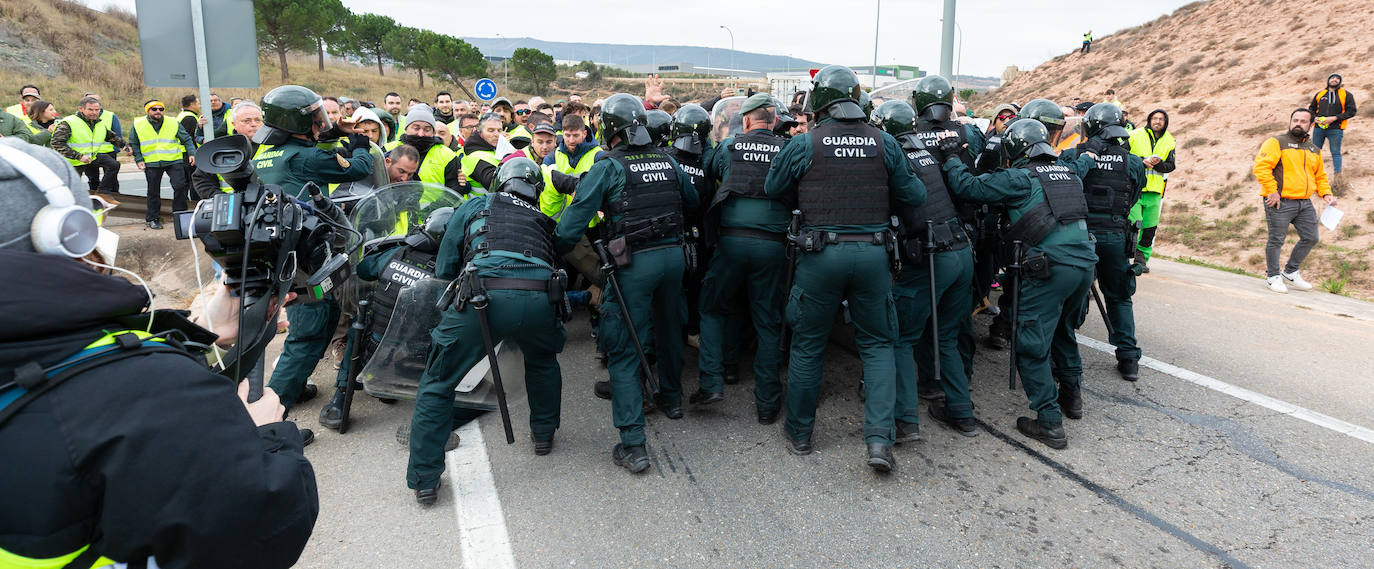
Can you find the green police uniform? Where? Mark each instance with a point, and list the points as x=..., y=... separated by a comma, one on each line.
x=843, y=174
x=1051, y=301
x=506, y=238
x=1113, y=186
x=747, y=230
x=621, y=183
x=290, y=165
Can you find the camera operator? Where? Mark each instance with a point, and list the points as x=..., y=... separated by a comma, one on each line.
x=294, y=119
x=131, y=450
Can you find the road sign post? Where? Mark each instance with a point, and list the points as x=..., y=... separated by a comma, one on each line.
x=485, y=89
x=223, y=55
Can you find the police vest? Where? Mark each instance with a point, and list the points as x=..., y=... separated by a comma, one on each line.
x=990, y=159
x=938, y=209
x=107, y=120
x=750, y=156
x=512, y=225
x=1144, y=145
x=1108, y=189
x=161, y=145
x=691, y=165
x=272, y=164
x=932, y=133
x=650, y=207
x=847, y=181
x=1064, y=204
x=470, y=161
x=85, y=138
x=407, y=267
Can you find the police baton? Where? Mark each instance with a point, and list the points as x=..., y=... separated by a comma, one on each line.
x=1015, y=269
x=934, y=298
x=608, y=268
x=481, y=302
x=356, y=341
x=1101, y=308
x=790, y=254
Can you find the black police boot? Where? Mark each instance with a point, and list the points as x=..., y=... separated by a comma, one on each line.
x=670, y=410
x=907, y=432
x=929, y=391
x=798, y=446
x=767, y=416
x=307, y=437
x=602, y=389
x=963, y=426
x=428, y=496
x=1053, y=437
x=635, y=459
x=703, y=397
x=999, y=334
x=880, y=457
x=1071, y=401
x=542, y=447
x=331, y=416
x=731, y=375
x=1130, y=369
x=307, y=393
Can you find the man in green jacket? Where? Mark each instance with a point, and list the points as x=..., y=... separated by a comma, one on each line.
x=843, y=175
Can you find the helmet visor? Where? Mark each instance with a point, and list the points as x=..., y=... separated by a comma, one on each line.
x=319, y=119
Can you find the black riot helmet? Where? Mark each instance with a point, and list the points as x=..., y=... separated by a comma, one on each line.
x=291, y=109
x=623, y=114
x=691, y=128
x=427, y=237
x=785, y=119
x=660, y=126
x=895, y=117
x=835, y=91
x=933, y=98
x=1047, y=113
x=866, y=104
x=1026, y=139
x=522, y=178
x=1104, y=121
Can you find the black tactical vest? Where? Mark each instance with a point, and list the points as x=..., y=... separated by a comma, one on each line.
x=931, y=133
x=847, y=181
x=990, y=159
x=511, y=225
x=405, y=268
x=1108, y=187
x=938, y=209
x=1063, y=191
x=750, y=156
x=691, y=165
x=650, y=207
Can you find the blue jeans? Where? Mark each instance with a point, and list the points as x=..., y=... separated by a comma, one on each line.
x=1332, y=135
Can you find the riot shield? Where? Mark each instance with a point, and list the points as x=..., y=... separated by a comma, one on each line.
x=899, y=91
x=395, y=368
x=396, y=209
x=725, y=119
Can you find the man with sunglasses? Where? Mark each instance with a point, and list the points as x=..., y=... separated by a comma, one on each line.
x=159, y=145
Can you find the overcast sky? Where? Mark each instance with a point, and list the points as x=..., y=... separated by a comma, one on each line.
x=996, y=33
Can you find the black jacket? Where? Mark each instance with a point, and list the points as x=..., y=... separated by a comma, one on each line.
x=149, y=456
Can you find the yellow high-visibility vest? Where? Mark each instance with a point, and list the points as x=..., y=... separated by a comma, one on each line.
x=85, y=139
x=1141, y=146
x=159, y=145
x=106, y=119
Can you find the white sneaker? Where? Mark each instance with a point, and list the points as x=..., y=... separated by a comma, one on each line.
x=1276, y=284
x=1295, y=280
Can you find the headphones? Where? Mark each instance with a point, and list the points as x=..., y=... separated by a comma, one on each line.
x=61, y=227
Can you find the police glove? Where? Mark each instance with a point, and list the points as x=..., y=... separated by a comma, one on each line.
x=356, y=141
x=947, y=146
x=1097, y=146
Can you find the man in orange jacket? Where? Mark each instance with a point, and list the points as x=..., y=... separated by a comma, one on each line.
x=1333, y=106
x=1289, y=170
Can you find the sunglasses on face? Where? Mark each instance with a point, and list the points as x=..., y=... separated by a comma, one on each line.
x=523, y=112
x=157, y=109
x=1005, y=117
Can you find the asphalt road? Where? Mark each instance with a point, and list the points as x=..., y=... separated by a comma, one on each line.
x=1160, y=473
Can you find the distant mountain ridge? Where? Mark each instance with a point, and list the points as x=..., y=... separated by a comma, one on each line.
x=622, y=55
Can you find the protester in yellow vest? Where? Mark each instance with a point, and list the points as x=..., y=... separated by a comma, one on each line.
x=479, y=152
x=159, y=145
x=77, y=137
x=438, y=164
x=574, y=157
x=27, y=95
x=1333, y=106
x=1155, y=145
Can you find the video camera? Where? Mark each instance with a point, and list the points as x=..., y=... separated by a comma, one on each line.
x=268, y=242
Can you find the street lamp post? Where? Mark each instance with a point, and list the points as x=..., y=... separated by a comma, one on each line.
x=732, y=55
x=877, y=21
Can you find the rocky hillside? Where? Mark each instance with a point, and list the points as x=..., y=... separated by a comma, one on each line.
x=1229, y=72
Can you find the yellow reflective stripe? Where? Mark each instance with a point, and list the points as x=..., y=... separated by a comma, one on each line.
x=161, y=145
x=106, y=120
x=11, y=561
x=109, y=338
x=84, y=138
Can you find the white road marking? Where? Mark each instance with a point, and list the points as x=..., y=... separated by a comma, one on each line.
x=1318, y=419
x=481, y=523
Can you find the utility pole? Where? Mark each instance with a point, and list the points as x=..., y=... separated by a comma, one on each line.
x=732, y=56
x=877, y=23
x=947, y=40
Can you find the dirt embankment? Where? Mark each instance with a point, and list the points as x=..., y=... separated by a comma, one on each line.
x=1229, y=72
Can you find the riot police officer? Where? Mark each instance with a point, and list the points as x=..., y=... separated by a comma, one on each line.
x=660, y=125
x=645, y=195
x=933, y=100
x=294, y=120
x=842, y=175
x=689, y=144
x=747, y=230
x=499, y=244
x=1050, y=241
x=1113, y=186
x=930, y=230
